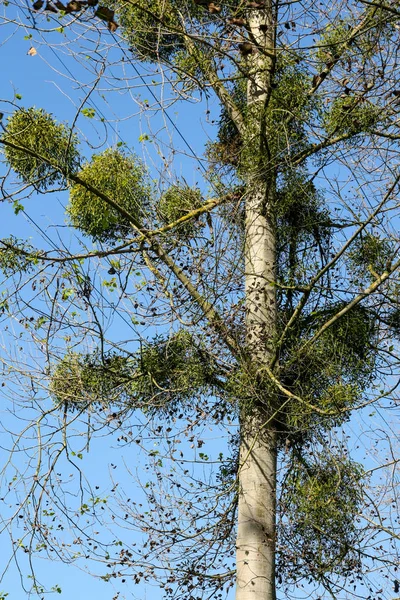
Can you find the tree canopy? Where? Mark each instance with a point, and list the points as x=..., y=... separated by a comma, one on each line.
x=245, y=292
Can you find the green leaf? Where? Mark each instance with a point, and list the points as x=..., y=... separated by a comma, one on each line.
x=40, y=322
x=88, y=112
x=67, y=293
x=17, y=206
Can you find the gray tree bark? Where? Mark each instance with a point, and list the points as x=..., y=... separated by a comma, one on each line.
x=256, y=538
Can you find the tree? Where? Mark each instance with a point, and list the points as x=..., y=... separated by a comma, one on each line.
x=271, y=287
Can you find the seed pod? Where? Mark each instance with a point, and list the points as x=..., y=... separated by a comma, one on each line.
x=238, y=21
x=112, y=26
x=213, y=9
x=104, y=13
x=74, y=6
x=50, y=7
x=245, y=48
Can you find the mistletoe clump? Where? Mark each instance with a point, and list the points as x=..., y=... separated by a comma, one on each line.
x=170, y=371
x=47, y=151
x=303, y=221
x=249, y=388
x=227, y=148
x=331, y=375
x=17, y=256
x=80, y=381
x=151, y=29
x=300, y=208
x=121, y=178
x=334, y=42
x=320, y=410
x=188, y=72
x=352, y=115
x=320, y=502
x=162, y=374
x=370, y=256
x=177, y=202
x=290, y=107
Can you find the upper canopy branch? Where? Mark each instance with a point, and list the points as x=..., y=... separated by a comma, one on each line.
x=303, y=301
x=364, y=24
x=209, y=312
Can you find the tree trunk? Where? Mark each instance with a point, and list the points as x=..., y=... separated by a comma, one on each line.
x=256, y=539
x=256, y=515
x=257, y=475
